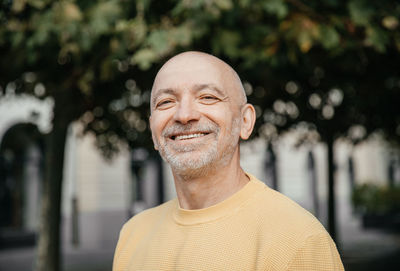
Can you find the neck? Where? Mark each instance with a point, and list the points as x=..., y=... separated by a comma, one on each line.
x=214, y=186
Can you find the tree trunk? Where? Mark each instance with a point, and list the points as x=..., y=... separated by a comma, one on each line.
x=313, y=182
x=331, y=190
x=270, y=167
x=48, y=251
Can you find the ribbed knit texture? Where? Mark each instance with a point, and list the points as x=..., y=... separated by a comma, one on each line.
x=255, y=229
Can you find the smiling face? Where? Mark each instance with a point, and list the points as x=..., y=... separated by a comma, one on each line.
x=196, y=113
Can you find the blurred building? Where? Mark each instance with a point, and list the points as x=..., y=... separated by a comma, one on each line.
x=23, y=120
x=99, y=195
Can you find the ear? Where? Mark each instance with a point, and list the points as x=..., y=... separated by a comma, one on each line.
x=248, y=119
x=152, y=135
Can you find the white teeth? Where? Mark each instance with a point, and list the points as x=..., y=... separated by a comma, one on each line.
x=181, y=137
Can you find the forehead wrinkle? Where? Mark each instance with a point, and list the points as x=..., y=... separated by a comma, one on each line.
x=196, y=88
x=232, y=82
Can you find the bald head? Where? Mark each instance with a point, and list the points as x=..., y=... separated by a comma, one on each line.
x=203, y=68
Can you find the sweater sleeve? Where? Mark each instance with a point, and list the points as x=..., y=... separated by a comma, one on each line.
x=318, y=253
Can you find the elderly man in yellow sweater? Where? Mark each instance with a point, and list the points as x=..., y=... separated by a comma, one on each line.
x=223, y=218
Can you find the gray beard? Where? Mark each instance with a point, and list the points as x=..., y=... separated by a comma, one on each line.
x=182, y=159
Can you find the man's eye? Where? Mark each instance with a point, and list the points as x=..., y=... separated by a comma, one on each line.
x=209, y=99
x=164, y=103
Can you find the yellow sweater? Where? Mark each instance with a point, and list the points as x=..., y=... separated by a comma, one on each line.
x=255, y=229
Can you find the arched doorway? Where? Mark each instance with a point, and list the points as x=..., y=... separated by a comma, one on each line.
x=21, y=156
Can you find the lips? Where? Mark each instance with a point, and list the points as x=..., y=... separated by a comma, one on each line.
x=188, y=136
x=179, y=132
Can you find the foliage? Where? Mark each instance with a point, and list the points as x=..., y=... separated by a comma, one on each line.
x=371, y=198
x=78, y=50
x=331, y=66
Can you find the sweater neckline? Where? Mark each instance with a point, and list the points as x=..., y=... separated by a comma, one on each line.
x=219, y=210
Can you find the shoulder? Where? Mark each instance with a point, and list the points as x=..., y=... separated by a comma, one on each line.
x=280, y=213
x=317, y=252
x=292, y=229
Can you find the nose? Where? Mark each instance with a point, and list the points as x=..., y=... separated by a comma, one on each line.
x=186, y=111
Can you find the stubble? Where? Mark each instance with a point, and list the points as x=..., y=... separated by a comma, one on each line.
x=198, y=159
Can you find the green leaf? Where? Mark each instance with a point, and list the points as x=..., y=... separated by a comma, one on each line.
x=85, y=83
x=329, y=37
x=43, y=25
x=181, y=35
x=106, y=70
x=305, y=41
x=224, y=4
x=227, y=42
x=276, y=7
x=376, y=38
x=142, y=5
x=17, y=38
x=360, y=11
x=245, y=3
x=86, y=40
x=134, y=31
x=39, y=4
x=144, y=58
x=158, y=41
x=67, y=12
x=18, y=5
x=103, y=17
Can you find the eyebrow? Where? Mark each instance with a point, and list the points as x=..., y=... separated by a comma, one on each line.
x=213, y=87
x=161, y=91
x=196, y=88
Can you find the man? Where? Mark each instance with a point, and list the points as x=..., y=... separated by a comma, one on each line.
x=223, y=218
